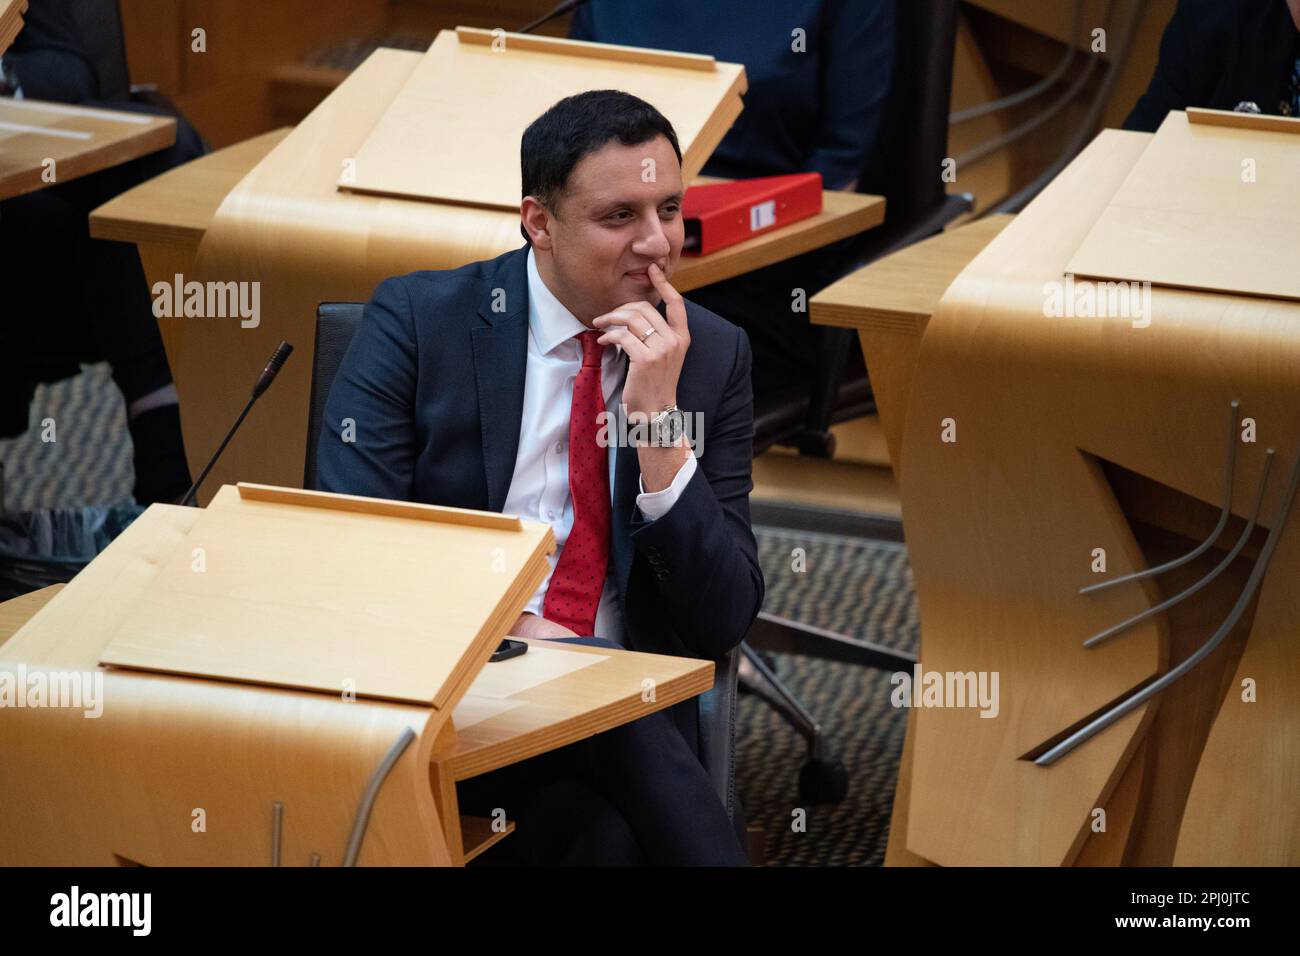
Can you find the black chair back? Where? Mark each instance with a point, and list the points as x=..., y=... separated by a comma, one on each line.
x=336, y=324
x=907, y=168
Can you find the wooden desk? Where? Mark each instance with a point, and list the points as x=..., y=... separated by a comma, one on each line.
x=16, y=612
x=46, y=143
x=890, y=302
x=1075, y=433
x=498, y=729
x=269, y=211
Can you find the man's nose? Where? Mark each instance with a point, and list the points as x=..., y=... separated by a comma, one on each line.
x=653, y=241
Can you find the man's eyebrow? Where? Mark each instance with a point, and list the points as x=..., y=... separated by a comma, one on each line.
x=603, y=203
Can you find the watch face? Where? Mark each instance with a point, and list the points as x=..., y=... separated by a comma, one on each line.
x=674, y=426
x=667, y=427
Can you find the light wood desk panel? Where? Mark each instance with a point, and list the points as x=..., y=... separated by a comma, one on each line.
x=1000, y=523
x=889, y=303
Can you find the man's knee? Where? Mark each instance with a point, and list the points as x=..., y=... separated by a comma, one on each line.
x=603, y=837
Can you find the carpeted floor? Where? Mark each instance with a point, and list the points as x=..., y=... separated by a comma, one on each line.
x=88, y=460
x=860, y=587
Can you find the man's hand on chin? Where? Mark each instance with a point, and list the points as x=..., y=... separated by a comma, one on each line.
x=532, y=626
x=655, y=348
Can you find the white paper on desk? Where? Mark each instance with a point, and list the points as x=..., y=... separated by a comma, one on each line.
x=473, y=710
x=541, y=664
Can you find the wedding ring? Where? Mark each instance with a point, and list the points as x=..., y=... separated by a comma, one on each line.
x=649, y=332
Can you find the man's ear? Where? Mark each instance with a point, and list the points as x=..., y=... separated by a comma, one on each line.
x=536, y=222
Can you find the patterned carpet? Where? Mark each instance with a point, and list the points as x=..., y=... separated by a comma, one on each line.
x=861, y=588
x=856, y=586
x=88, y=461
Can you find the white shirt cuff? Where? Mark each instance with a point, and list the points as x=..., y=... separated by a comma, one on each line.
x=655, y=504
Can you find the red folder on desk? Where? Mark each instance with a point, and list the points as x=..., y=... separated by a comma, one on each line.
x=723, y=214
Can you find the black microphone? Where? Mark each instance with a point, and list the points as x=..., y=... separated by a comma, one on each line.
x=282, y=352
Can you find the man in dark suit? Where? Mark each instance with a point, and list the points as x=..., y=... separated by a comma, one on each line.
x=1222, y=55
x=487, y=387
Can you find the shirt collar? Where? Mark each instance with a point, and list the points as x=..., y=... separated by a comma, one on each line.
x=549, y=322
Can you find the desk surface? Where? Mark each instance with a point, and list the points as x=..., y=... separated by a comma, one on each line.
x=46, y=143
x=567, y=708
x=900, y=292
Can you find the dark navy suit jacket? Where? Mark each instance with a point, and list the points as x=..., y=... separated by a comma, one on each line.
x=434, y=380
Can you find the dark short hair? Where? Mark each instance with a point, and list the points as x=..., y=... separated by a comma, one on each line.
x=555, y=142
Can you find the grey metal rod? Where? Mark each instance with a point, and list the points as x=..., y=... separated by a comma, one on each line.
x=1146, y=693
x=277, y=831
x=1084, y=130
x=1046, y=83
x=1229, y=467
x=362, y=819
x=1202, y=582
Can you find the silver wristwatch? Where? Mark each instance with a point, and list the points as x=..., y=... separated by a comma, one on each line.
x=667, y=427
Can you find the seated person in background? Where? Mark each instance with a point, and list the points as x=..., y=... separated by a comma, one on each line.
x=814, y=105
x=483, y=387
x=1220, y=55
x=69, y=298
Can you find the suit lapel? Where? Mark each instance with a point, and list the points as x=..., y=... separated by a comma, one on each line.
x=500, y=364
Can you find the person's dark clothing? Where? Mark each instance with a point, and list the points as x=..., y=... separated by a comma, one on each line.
x=1218, y=55
x=811, y=110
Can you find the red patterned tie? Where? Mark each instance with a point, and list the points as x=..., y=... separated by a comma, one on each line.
x=574, y=592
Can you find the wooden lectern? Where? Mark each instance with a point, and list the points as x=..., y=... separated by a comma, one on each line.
x=293, y=678
x=1063, y=430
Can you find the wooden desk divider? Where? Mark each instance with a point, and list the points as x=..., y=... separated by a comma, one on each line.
x=283, y=668
x=435, y=143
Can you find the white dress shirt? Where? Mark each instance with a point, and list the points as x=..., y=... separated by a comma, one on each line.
x=539, y=487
